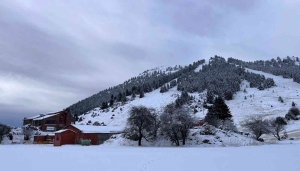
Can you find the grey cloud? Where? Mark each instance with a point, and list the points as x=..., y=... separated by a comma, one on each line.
x=63, y=52
x=202, y=18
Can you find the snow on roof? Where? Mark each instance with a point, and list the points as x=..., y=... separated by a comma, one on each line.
x=33, y=117
x=60, y=131
x=63, y=130
x=36, y=117
x=98, y=129
x=44, y=117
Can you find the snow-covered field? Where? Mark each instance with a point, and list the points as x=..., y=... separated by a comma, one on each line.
x=117, y=158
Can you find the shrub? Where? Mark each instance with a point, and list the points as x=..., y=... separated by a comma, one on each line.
x=96, y=123
x=206, y=141
x=228, y=125
x=295, y=111
x=83, y=142
x=208, y=130
x=280, y=99
x=268, y=83
x=292, y=114
x=260, y=139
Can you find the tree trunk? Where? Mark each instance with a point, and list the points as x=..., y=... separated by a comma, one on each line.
x=140, y=141
x=183, y=141
x=140, y=136
x=176, y=140
x=278, y=136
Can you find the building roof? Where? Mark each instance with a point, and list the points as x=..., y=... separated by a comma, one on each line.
x=98, y=129
x=63, y=130
x=45, y=116
x=60, y=131
x=42, y=116
x=33, y=117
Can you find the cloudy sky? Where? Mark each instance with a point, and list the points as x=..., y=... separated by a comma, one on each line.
x=55, y=53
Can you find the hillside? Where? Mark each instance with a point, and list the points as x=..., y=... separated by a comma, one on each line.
x=247, y=92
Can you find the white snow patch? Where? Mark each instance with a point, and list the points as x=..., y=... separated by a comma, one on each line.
x=95, y=158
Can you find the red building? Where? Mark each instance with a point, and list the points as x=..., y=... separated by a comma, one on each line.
x=97, y=134
x=51, y=122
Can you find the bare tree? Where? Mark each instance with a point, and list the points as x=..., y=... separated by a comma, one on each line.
x=257, y=126
x=176, y=123
x=277, y=125
x=4, y=130
x=142, y=123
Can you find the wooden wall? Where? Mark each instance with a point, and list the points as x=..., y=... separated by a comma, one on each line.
x=43, y=139
x=66, y=137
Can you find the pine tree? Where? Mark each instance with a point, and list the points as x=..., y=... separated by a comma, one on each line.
x=222, y=109
x=111, y=102
x=142, y=94
x=163, y=89
x=218, y=113
x=76, y=117
x=124, y=99
x=210, y=97
x=104, y=105
x=133, y=94
x=127, y=92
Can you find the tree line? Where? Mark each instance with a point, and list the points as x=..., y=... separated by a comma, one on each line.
x=287, y=67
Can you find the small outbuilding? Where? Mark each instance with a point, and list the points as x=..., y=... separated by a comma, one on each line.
x=64, y=136
x=44, y=139
x=97, y=134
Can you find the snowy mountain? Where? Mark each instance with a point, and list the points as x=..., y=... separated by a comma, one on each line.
x=247, y=91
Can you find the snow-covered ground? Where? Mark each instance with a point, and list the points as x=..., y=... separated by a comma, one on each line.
x=117, y=158
x=265, y=103
x=119, y=115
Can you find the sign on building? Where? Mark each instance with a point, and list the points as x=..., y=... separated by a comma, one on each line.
x=50, y=128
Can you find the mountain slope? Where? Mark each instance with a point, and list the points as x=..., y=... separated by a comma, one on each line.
x=247, y=100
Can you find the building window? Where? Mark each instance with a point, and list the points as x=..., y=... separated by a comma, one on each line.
x=50, y=122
